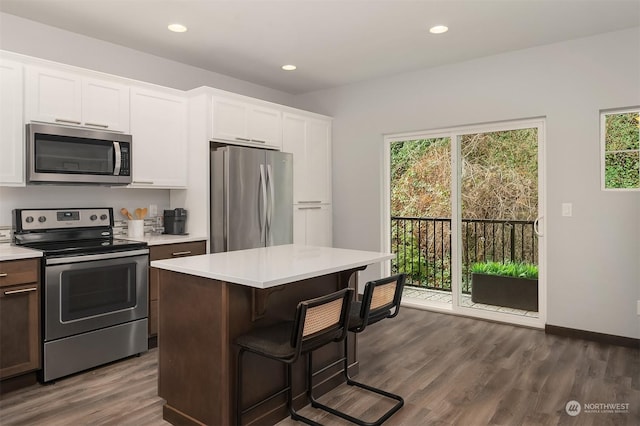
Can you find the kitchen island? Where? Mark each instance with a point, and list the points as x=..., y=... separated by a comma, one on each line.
x=207, y=301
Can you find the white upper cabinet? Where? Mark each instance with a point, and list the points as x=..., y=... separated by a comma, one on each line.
x=11, y=124
x=159, y=129
x=309, y=140
x=66, y=98
x=245, y=123
x=105, y=105
x=265, y=126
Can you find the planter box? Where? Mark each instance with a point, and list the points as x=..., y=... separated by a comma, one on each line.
x=517, y=293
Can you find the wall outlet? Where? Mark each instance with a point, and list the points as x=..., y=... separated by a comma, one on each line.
x=567, y=209
x=638, y=307
x=153, y=210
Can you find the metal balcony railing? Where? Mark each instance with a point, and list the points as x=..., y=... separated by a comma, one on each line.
x=423, y=247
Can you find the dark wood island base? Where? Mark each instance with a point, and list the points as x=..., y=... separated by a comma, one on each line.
x=199, y=319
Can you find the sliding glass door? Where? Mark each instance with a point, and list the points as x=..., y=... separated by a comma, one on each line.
x=464, y=210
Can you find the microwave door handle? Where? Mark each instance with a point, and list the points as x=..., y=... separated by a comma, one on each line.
x=118, y=155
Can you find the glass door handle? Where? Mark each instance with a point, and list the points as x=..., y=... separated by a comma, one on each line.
x=536, y=226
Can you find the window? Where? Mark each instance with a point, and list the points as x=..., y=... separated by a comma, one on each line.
x=620, y=140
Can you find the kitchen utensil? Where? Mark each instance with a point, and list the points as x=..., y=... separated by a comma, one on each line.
x=138, y=213
x=144, y=212
x=126, y=213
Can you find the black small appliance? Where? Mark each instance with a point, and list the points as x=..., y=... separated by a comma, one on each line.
x=175, y=221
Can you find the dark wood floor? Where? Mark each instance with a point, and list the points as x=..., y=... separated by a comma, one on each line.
x=451, y=371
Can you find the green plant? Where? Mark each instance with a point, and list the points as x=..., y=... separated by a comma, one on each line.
x=507, y=269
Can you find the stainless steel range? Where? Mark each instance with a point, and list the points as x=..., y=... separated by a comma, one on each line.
x=95, y=292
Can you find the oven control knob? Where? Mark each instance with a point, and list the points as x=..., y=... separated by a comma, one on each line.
x=103, y=217
x=93, y=217
x=29, y=219
x=42, y=219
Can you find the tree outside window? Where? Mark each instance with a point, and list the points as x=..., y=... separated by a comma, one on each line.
x=621, y=149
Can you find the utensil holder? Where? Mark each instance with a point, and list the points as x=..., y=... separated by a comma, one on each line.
x=135, y=228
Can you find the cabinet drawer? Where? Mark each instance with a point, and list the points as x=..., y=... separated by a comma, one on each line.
x=14, y=272
x=168, y=251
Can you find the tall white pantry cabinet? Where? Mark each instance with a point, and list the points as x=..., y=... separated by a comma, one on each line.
x=309, y=139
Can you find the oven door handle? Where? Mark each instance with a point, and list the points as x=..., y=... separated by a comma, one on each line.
x=101, y=256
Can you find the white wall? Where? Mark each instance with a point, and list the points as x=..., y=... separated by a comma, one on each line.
x=78, y=196
x=593, y=257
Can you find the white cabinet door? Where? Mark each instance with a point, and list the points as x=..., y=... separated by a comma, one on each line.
x=309, y=140
x=105, y=105
x=11, y=124
x=159, y=129
x=312, y=225
x=299, y=226
x=246, y=124
x=230, y=120
x=59, y=97
x=53, y=96
x=318, y=148
x=265, y=126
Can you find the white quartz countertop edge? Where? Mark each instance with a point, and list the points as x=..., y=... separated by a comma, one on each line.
x=157, y=240
x=10, y=252
x=248, y=267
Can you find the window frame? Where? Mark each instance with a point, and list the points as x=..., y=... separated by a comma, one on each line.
x=603, y=146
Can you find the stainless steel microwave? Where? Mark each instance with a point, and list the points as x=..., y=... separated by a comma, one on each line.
x=70, y=155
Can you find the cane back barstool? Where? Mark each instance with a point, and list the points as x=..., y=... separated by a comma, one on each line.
x=381, y=299
x=318, y=322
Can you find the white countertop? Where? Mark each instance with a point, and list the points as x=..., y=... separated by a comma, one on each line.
x=156, y=240
x=9, y=252
x=271, y=266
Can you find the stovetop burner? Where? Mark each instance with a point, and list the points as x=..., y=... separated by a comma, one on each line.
x=65, y=248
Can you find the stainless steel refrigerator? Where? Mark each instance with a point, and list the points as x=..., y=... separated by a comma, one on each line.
x=251, y=198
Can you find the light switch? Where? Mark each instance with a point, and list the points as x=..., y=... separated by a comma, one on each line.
x=567, y=209
x=153, y=210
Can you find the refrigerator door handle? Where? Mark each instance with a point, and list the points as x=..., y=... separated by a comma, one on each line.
x=263, y=214
x=271, y=206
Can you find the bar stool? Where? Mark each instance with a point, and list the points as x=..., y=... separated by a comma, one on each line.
x=317, y=322
x=381, y=299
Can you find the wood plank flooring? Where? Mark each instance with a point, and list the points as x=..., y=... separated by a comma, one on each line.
x=450, y=370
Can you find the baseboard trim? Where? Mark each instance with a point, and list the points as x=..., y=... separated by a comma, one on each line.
x=16, y=383
x=609, y=339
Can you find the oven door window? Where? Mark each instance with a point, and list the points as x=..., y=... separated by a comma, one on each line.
x=97, y=291
x=56, y=154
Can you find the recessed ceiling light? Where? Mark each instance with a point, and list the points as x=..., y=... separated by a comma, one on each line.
x=177, y=28
x=289, y=67
x=438, y=29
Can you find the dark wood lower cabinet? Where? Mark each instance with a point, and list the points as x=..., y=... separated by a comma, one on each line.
x=19, y=317
x=200, y=319
x=167, y=251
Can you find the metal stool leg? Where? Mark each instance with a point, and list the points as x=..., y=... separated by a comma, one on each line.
x=287, y=389
x=351, y=382
x=294, y=413
x=239, y=388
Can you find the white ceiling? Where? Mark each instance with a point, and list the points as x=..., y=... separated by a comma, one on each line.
x=332, y=42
